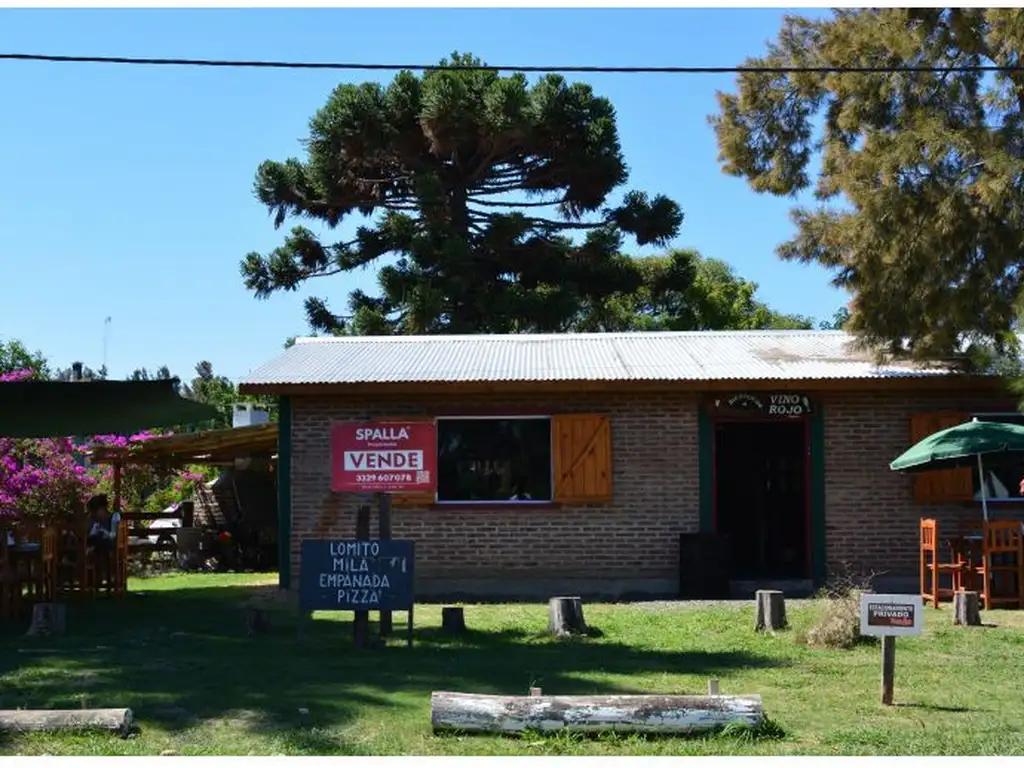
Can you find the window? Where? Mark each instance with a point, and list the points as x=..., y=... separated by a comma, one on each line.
x=1002, y=477
x=494, y=459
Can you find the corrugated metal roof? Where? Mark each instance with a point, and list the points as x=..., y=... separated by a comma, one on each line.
x=659, y=356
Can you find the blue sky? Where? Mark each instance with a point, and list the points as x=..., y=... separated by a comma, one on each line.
x=127, y=190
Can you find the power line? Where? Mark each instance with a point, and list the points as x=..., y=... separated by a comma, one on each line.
x=575, y=69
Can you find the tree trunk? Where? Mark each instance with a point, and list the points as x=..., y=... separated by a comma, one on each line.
x=565, y=616
x=476, y=713
x=453, y=620
x=771, y=610
x=967, y=609
x=19, y=720
x=257, y=621
x=48, y=619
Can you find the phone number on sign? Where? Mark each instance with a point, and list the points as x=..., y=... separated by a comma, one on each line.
x=381, y=478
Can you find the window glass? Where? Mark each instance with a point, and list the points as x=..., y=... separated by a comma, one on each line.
x=494, y=459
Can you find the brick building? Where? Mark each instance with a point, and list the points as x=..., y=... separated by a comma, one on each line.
x=573, y=463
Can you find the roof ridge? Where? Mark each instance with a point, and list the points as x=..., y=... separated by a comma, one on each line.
x=521, y=337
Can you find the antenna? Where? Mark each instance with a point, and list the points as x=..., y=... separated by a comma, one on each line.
x=106, y=337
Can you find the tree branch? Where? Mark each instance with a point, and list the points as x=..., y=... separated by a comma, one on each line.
x=516, y=204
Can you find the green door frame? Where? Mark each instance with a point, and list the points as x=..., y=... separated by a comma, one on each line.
x=284, y=492
x=816, y=467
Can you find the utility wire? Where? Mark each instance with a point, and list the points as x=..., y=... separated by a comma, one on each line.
x=226, y=63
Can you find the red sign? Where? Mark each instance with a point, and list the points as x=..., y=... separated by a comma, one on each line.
x=388, y=457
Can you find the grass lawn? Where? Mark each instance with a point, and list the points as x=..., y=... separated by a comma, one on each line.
x=180, y=657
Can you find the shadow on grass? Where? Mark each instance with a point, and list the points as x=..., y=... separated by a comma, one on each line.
x=182, y=657
x=939, y=708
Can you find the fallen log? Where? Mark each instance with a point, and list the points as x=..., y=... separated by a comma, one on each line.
x=23, y=720
x=481, y=713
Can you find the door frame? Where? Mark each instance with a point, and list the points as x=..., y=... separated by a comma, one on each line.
x=711, y=418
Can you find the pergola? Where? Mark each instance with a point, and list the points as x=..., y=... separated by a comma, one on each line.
x=217, y=447
x=40, y=409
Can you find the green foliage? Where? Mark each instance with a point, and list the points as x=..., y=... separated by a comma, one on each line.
x=839, y=321
x=684, y=291
x=921, y=181
x=474, y=186
x=15, y=356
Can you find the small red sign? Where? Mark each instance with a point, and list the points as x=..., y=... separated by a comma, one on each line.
x=384, y=457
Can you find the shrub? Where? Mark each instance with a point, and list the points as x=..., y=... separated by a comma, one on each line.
x=838, y=624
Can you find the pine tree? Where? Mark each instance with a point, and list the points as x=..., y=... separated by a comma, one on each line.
x=921, y=177
x=486, y=204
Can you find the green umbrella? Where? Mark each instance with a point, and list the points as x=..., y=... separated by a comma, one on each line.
x=964, y=446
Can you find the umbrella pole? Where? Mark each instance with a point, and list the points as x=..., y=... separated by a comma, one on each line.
x=984, y=500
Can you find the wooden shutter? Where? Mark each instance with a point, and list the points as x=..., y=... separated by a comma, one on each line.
x=582, y=447
x=946, y=485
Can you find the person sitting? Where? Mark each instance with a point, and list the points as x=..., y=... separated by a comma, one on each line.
x=103, y=530
x=102, y=533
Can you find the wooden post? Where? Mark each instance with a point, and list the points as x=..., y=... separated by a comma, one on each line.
x=384, y=524
x=117, y=487
x=361, y=619
x=771, y=610
x=888, y=667
x=967, y=609
x=188, y=513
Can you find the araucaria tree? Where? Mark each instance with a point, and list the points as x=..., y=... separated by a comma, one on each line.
x=921, y=176
x=484, y=202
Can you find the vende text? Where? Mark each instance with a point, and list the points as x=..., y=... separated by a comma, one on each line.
x=355, y=461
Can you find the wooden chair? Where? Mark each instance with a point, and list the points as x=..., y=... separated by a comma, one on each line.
x=1001, y=582
x=8, y=600
x=932, y=567
x=113, y=577
x=85, y=560
x=30, y=563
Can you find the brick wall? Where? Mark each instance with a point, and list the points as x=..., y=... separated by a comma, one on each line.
x=871, y=518
x=654, y=476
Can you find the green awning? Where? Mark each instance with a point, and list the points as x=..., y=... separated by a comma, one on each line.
x=64, y=408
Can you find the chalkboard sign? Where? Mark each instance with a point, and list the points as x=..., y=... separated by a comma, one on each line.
x=356, y=575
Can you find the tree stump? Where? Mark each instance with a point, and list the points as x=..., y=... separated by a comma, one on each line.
x=771, y=610
x=565, y=616
x=256, y=620
x=453, y=620
x=967, y=609
x=48, y=619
